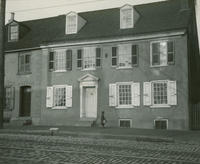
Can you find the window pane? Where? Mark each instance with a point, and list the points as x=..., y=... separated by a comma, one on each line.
x=127, y=19
x=27, y=58
x=125, y=95
x=160, y=92
x=59, y=97
x=89, y=58
x=125, y=56
x=71, y=23
x=60, y=60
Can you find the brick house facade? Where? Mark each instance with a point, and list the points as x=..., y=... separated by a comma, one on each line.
x=132, y=62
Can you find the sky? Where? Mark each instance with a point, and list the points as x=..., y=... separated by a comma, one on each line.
x=36, y=9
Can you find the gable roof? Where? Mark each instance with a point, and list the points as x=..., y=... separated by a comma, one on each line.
x=154, y=17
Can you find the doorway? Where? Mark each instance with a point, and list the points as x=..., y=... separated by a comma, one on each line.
x=89, y=102
x=25, y=101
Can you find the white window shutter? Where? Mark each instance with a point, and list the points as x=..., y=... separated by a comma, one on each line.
x=136, y=94
x=172, y=93
x=49, y=97
x=112, y=95
x=147, y=93
x=69, y=96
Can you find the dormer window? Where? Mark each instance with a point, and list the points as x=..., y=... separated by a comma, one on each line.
x=13, y=34
x=71, y=23
x=126, y=17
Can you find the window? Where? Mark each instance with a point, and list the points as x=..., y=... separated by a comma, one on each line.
x=161, y=124
x=126, y=17
x=127, y=56
x=91, y=58
x=114, y=56
x=162, y=53
x=13, y=32
x=124, y=94
x=24, y=63
x=79, y=58
x=60, y=60
x=125, y=123
x=59, y=97
x=160, y=93
x=9, y=98
x=98, y=57
x=71, y=23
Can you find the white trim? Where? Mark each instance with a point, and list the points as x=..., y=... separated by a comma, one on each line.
x=85, y=84
x=125, y=119
x=161, y=119
x=24, y=49
x=119, y=39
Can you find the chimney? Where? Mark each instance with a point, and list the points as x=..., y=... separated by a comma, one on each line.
x=12, y=17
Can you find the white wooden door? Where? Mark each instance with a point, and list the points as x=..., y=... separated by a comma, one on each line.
x=90, y=103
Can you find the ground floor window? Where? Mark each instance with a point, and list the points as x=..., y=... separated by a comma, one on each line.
x=9, y=98
x=59, y=96
x=125, y=95
x=125, y=123
x=161, y=124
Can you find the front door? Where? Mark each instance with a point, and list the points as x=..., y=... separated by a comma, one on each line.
x=25, y=101
x=90, y=104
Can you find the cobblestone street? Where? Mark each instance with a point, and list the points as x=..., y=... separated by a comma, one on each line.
x=29, y=149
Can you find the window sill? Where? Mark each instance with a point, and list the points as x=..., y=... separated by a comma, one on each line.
x=160, y=106
x=24, y=73
x=60, y=71
x=124, y=67
x=59, y=108
x=157, y=66
x=89, y=69
x=124, y=106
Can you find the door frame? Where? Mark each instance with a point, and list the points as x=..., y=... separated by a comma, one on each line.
x=21, y=100
x=89, y=81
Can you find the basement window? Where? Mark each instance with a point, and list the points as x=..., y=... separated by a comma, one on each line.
x=125, y=123
x=161, y=124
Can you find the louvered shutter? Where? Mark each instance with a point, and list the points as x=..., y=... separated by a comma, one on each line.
x=69, y=60
x=112, y=95
x=49, y=97
x=136, y=94
x=51, y=61
x=172, y=93
x=147, y=93
x=68, y=96
x=12, y=98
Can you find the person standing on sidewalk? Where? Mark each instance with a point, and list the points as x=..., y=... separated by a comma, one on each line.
x=103, y=119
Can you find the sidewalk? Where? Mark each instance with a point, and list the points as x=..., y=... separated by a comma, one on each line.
x=109, y=133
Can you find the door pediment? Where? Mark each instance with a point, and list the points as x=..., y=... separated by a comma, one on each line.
x=88, y=77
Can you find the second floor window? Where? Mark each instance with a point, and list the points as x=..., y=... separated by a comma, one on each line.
x=13, y=32
x=60, y=60
x=162, y=53
x=125, y=56
x=24, y=63
x=89, y=58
